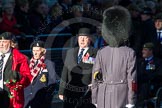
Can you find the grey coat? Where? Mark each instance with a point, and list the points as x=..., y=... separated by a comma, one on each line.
x=118, y=68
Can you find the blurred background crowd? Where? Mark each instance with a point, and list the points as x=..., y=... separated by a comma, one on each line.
x=35, y=17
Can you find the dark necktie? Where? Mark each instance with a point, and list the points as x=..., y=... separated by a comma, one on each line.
x=36, y=62
x=80, y=55
x=159, y=33
x=1, y=65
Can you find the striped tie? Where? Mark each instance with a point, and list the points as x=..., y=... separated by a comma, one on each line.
x=1, y=65
x=80, y=55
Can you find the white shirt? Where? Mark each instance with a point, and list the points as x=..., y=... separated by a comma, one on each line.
x=7, y=55
x=84, y=52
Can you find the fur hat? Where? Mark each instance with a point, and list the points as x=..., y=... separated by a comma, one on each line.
x=116, y=25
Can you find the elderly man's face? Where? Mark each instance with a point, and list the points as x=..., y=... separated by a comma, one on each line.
x=146, y=53
x=5, y=45
x=37, y=52
x=83, y=41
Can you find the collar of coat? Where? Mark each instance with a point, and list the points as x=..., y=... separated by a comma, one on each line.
x=17, y=58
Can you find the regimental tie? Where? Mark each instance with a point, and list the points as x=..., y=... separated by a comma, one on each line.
x=159, y=37
x=80, y=55
x=1, y=65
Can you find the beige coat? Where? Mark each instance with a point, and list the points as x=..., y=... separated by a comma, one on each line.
x=118, y=67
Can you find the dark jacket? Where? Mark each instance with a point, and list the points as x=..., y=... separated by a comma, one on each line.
x=37, y=94
x=149, y=80
x=36, y=21
x=23, y=22
x=148, y=32
x=75, y=77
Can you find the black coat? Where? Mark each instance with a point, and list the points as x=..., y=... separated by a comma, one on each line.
x=158, y=49
x=38, y=94
x=149, y=80
x=76, y=78
x=148, y=32
x=23, y=22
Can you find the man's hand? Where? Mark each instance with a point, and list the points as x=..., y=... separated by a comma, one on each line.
x=61, y=97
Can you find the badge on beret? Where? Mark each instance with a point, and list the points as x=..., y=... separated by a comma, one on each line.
x=37, y=44
x=43, y=78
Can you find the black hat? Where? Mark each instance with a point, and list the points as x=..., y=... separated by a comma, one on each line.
x=37, y=44
x=147, y=11
x=148, y=45
x=6, y=36
x=84, y=32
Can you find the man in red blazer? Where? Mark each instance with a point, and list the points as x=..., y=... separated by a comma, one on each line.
x=14, y=74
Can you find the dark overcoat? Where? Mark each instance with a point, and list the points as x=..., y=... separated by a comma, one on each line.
x=39, y=94
x=149, y=80
x=76, y=78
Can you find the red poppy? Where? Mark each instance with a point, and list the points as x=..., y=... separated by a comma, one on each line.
x=44, y=66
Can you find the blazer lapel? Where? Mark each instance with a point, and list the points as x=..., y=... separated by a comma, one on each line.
x=76, y=50
x=89, y=51
x=8, y=61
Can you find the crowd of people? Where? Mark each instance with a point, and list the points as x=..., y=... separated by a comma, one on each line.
x=121, y=58
x=26, y=17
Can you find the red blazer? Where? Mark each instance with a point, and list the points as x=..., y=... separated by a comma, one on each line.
x=20, y=64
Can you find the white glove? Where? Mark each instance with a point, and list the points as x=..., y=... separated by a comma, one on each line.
x=129, y=106
x=95, y=105
x=61, y=97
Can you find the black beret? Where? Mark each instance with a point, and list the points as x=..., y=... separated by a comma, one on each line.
x=6, y=36
x=37, y=44
x=147, y=11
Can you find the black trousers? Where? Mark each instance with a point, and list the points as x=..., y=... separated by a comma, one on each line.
x=77, y=100
x=4, y=99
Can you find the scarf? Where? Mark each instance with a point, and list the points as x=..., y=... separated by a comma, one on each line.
x=36, y=66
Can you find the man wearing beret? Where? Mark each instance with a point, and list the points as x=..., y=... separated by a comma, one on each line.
x=149, y=75
x=115, y=62
x=39, y=93
x=14, y=74
x=76, y=74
